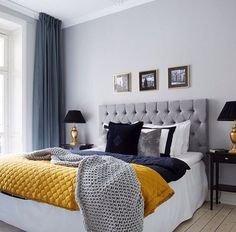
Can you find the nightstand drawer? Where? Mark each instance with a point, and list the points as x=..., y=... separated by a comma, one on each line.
x=224, y=158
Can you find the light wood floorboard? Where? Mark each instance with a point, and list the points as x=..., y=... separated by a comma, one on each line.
x=221, y=219
x=229, y=224
x=187, y=224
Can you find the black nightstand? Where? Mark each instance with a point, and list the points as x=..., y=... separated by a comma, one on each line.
x=214, y=160
x=78, y=147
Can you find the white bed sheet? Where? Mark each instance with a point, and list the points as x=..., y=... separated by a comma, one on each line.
x=189, y=157
x=190, y=193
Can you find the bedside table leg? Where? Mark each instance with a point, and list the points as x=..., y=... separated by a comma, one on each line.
x=217, y=182
x=211, y=182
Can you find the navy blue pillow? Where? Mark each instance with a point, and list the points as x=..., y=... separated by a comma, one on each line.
x=123, y=138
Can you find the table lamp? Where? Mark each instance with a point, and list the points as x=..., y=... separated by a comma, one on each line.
x=74, y=116
x=228, y=113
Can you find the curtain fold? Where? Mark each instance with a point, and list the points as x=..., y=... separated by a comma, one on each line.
x=48, y=89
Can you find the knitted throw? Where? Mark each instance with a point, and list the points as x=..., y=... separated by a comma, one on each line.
x=107, y=190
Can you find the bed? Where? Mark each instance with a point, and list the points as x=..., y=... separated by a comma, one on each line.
x=190, y=190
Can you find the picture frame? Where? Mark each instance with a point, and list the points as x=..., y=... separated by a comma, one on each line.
x=178, y=77
x=122, y=82
x=148, y=80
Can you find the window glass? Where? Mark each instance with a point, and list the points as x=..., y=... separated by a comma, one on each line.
x=1, y=110
x=2, y=52
x=11, y=93
x=1, y=102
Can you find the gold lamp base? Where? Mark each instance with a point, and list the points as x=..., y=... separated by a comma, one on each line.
x=233, y=150
x=233, y=139
x=74, y=136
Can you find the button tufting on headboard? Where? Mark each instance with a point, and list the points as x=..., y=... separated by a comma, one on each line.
x=164, y=113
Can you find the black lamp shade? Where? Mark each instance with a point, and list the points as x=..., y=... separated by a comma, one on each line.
x=228, y=113
x=74, y=116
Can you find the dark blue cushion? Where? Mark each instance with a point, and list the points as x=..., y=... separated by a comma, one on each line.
x=123, y=138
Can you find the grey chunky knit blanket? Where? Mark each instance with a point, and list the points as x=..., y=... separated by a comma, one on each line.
x=107, y=190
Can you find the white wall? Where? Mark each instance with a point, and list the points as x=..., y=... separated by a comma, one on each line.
x=160, y=34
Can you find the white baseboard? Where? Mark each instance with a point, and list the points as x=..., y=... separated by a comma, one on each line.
x=228, y=198
x=225, y=197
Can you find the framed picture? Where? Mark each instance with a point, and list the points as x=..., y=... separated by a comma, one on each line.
x=178, y=77
x=122, y=82
x=148, y=80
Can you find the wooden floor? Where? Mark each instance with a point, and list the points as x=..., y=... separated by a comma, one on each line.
x=221, y=219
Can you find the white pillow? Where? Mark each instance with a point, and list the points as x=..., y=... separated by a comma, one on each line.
x=180, y=141
x=181, y=138
x=102, y=141
x=163, y=141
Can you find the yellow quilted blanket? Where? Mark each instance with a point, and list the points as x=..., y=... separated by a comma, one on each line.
x=55, y=185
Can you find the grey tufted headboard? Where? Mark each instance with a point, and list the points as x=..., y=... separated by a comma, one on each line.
x=164, y=113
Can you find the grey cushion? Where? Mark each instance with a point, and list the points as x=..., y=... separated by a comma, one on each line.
x=148, y=144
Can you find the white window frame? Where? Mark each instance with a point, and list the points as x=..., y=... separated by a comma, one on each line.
x=5, y=72
x=5, y=36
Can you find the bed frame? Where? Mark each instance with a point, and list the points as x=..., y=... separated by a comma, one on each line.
x=164, y=113
x=40, y=217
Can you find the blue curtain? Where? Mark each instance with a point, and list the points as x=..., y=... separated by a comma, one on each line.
x=48, y=89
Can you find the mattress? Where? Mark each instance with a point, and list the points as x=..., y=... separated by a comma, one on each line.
x=189, y=157
x=190, y=193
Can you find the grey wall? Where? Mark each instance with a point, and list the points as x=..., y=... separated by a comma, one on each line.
x=160, y=34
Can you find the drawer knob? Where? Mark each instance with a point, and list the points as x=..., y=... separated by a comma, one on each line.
x=226, y=158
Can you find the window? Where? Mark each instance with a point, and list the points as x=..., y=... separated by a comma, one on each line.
x=3, y=90
x=1, y=109
x=11, y=91
x=12, y=67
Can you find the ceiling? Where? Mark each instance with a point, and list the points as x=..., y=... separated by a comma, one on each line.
x=72, y=12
